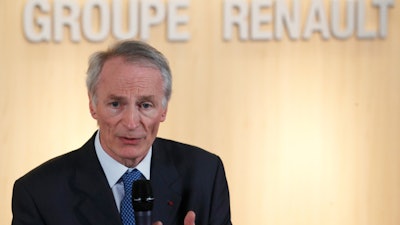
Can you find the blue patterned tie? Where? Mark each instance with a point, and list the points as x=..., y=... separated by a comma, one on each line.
x=126, y=211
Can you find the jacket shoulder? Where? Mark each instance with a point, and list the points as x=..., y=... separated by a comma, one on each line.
x=184, y=149
x=59, y=166
x=184, y=156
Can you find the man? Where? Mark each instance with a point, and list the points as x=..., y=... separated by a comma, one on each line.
x=129, y=87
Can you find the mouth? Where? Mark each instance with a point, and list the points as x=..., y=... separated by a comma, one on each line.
x=130, y=140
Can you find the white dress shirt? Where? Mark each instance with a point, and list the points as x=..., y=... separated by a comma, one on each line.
x=114, y=170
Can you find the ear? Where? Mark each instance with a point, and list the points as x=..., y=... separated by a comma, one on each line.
x=164, y=114
x=92, y=107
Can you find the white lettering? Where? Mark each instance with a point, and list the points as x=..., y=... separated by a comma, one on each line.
x=104, y=20
x=316, y=21
x=257, y=19
x=66, y=13
x=361, y=30
x=235, y=13
x=44, y=33
x=96, y=20
x=133, y=19
x=335, y=21
x=153, y=13
x=174, y=20
x=383, y=6
x=283, y=18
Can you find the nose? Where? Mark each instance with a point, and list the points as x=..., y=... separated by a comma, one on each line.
x=131, y=118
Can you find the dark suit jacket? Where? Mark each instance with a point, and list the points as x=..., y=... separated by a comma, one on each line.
x=72, y=188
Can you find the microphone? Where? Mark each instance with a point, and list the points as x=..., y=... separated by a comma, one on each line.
x=142, y=201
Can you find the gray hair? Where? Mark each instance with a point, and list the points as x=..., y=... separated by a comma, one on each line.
x=133, y=51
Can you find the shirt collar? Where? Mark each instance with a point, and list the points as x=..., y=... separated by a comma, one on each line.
x=113, y=169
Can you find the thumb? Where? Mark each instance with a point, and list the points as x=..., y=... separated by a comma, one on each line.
x=190, y=218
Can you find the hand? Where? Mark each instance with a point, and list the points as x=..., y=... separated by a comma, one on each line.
x=189, y=219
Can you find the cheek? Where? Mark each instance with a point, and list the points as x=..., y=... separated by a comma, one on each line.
x=104, y=120
x=149, y=123
x=155, y=125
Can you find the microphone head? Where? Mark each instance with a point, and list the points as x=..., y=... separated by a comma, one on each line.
x=142, y=195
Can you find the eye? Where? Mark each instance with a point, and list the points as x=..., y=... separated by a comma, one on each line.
x=146, y=105
x=115, y=104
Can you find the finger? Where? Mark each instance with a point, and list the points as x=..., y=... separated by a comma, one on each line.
x=190, y=218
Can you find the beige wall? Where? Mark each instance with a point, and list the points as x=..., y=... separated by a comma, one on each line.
x=308, y=130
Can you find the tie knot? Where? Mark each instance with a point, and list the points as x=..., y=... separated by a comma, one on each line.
x=128, y=178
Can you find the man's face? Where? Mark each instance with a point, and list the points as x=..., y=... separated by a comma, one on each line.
x=128, y=109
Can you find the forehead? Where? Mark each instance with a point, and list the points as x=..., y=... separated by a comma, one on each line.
x=120, y=74
x=117, y=64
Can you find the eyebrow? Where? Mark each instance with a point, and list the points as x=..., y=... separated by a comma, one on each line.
x=141, y=98
x=115, y=97
x=147, y=98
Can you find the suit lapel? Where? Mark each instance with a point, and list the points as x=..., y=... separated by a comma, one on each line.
x=94, y=202
x=166, y=184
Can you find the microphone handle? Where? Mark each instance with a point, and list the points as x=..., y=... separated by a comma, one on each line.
x=143, y=217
